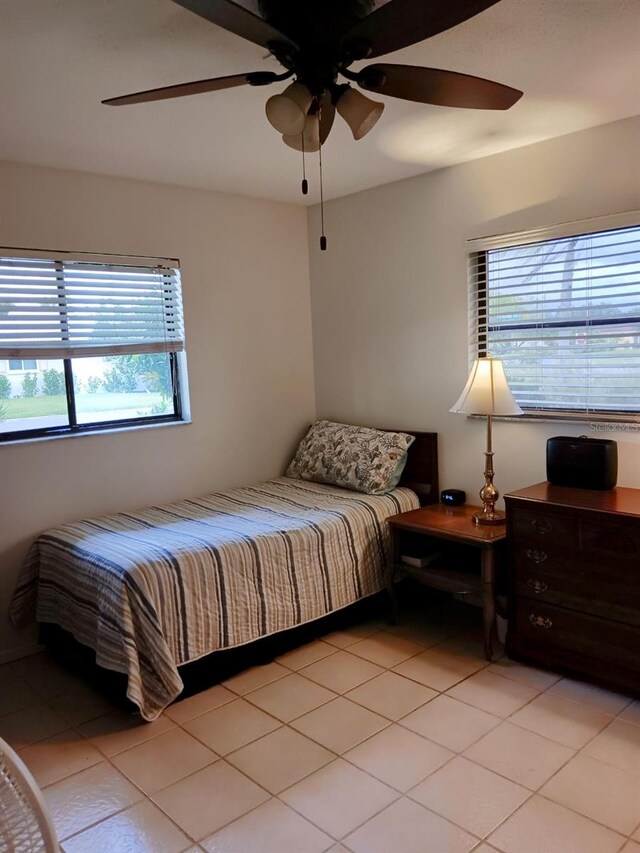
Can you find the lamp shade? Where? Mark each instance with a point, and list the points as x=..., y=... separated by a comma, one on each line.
x=487, y=391
x=359, y=112
x=310, y=136
x=287, y=111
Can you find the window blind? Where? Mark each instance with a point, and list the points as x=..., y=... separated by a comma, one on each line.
x=564, y=316
x=70, y=306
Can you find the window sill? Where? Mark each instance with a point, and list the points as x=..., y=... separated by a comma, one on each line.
x=85, y=433
x=597, y=423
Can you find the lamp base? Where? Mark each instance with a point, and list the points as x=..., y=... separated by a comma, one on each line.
x=489, y=517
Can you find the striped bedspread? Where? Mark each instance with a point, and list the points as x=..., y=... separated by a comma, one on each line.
x=156, y=588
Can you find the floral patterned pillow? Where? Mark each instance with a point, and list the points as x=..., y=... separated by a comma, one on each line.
x=358, y=458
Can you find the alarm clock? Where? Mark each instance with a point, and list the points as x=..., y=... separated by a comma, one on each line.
x=453, y=497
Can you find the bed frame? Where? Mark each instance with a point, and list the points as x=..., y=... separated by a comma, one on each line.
x=420, y=474
x=421, y=471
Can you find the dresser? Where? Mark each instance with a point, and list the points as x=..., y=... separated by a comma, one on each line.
x=574, y=581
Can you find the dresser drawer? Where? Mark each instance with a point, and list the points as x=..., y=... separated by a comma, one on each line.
x=620, y=540
x=538, y=624
x=578, y=586
x=544, y=528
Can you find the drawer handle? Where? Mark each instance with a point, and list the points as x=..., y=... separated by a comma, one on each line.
x=540, y=621
x=536, y=585
x=541, y=526
x=536, y=556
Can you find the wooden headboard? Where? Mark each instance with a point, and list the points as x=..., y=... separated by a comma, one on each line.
x=421, y=471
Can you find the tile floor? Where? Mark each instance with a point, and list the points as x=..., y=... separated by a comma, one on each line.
x=370, y=740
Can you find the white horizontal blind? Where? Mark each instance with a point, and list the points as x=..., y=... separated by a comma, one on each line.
x=67, y=307
x=564, y=316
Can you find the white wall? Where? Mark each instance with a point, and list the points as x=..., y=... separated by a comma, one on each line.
x=389, y=296
x=245, y=281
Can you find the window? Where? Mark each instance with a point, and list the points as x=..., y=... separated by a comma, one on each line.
x=22, y=364
x=88, y=342
x=563, y=313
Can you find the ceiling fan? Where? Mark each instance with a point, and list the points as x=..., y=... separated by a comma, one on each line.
x=316, y=42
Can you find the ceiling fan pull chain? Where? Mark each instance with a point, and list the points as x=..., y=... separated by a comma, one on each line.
x=323, y=238
x=305, y=183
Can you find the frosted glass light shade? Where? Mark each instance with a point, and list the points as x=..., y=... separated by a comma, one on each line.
x=359, y=112
x=487, y=391
x=288, y=110
x=310, y=135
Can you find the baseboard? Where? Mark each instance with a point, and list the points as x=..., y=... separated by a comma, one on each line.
x=17, y=652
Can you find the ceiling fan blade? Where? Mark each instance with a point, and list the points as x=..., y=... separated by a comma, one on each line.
x=196, y=87
x=327, y=115
x=399, y=23
x=242, y=18
x=435, y=86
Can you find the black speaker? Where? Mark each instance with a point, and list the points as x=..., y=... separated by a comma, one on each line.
x=583, y=462
x=453, y=497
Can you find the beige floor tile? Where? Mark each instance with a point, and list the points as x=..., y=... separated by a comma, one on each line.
x=118, y=731
x=342, y=671
x=470, y=796
x=492, y=693
x=348, y=636
x=45, y=675
x=165, y=759
x=423, y=633
x=522, y=756
x=631, y=847
x=140, y=829
x=303, y=656
x=484, y=848
x=538, y=678
x=199, y=703
x=631, y=713
x=406, y=827
x=81, y=704
x=271, y=828
x=398, y=757
x=600, y=791
x=339, y=797
x=450, y=723
x=438, y=670
x=340, y=725
x=88, y=797
x=280, y=759
x=636, y=834
x=591, y=695
x=231, y=726
x=207, y=800
x=618, y=744
x=541, y=825
x=562, y=720
x=467, y=644
x=30, y=725
x=15, y=693
x=290, y=697
x=58, y=757
x=385, y=649
x=255, y=677
x=391, y=695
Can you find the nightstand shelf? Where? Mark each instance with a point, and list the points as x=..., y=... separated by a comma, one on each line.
x=468, y=564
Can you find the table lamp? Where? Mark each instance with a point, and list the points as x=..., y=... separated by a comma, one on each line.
x=487, y=393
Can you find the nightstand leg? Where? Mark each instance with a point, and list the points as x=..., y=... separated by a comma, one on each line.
x=390, y=575
x=488, y=599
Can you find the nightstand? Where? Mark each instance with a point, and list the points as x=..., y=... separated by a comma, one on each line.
x=459, y=557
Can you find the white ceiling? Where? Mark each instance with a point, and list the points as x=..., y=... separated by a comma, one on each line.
x=578, y=62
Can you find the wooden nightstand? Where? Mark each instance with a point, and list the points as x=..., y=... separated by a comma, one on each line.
x=466, y=556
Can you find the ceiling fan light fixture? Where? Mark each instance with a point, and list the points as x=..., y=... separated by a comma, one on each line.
x=359, y=112
x=287, y=112
x=310, y=136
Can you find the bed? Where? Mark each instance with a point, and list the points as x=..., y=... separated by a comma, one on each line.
x=152, y=590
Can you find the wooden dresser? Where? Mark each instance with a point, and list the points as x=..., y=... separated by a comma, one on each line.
x=574, y=581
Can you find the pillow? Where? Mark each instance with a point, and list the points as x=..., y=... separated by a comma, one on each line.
x=357, y=458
